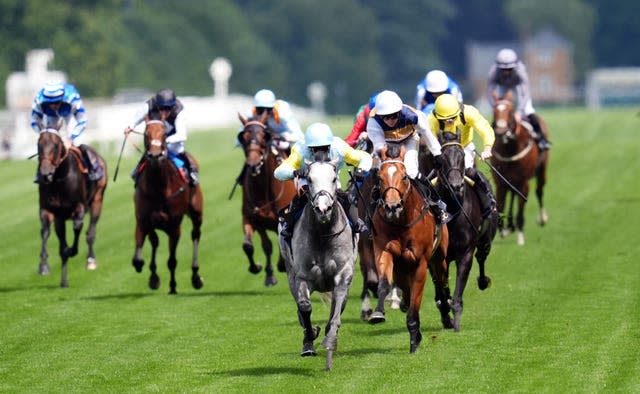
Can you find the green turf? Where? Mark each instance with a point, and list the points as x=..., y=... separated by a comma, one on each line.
x=563, y=314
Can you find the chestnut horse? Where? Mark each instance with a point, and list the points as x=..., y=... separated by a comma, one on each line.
x=162, y=198
x=468, y=232
x=263, y=196
x=407, y=244
x=516, y=159
x=66, y=193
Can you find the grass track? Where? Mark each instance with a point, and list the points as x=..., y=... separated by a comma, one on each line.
x=563, y=314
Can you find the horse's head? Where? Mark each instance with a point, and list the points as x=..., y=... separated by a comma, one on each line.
x=451, y=174
x=256, y=141
x=504, y=117
x=322, y=178
x=393, y=181
x=51, y=152
x=155, y=139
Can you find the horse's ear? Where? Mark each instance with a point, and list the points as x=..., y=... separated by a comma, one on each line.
x=402, y=151
x=494, y=94
x=383, y=152
x=264, y=117
x=243, y=120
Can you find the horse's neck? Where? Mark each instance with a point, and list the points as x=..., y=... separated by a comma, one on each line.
x=158, y=176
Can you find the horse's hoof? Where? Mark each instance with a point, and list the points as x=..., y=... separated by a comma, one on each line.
x=308, y=350
x=377, y=317
x=197, y=282
x=154, y=282
x=446, y=322
x=173, y=292
x=137, y=264
x=403, y=307
x=365, y=315
x=270, y=281
x=91, y=264
x=43, y=269
x=255, y=269
x=64, y=284
x=329, y=361
x=484, y=282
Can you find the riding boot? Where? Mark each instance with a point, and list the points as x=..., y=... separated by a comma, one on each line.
x=190, y=168
x=351, y=209
x=91, y=162
x=289, y=216
x=483, y=190
x=437, y=206
x=539, y=137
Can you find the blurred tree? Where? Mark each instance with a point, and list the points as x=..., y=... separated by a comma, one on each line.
x=615, y=31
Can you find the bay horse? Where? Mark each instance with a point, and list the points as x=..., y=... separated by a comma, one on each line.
x=517, y=159
x=408, y=244
x=468, y=232
x=66, y=193
x=322, y=256
x=263, y=196
x=162, y=197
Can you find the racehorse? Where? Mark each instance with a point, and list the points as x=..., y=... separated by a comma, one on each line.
x=66, y=193
x=162, y=198
x=407, y=244
x=322, y=256
x=516, y=159
x=263, y=196
x=468, y=232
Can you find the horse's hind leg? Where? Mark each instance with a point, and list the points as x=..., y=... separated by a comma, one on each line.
x=154, y=279
x=540, y=182
x=78, y=223
x=138, y=260
x=172, y=263
x=247, y=247
x=196, y=219
x=45, y=224
x=267, y=247
x=62, y=238
x=463, y=267
x=303, y=300
x=96, y=208
x=383, y=290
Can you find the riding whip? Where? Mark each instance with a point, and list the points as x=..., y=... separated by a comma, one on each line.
x=115, y=175
x=513, y=188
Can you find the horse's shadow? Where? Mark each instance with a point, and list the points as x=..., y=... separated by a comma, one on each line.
x=138, y=295
x=265, y=371
x=27, y=288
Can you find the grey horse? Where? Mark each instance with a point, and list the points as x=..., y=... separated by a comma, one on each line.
x=322, y=256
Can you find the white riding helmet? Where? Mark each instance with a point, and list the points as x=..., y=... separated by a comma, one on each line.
x=264, y=98
x=388, y=102
x=506, y=58
x=53, y=91
x=436, y=81
x=318, y=134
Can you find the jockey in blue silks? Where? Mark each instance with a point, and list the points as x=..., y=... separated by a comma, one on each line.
x=435, y=83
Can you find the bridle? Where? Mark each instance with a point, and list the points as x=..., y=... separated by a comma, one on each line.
x=255, y=145
x=405, y=179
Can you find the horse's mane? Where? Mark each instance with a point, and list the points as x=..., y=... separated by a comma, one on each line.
x=393, y=150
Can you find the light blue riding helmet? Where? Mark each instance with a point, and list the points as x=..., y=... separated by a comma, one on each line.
x=53, y=92
x=318, y=134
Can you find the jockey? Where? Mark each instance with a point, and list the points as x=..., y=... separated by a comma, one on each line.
x=358, y=132
x=434, y=84
x=319, y=143
x=56, y=104
x=170, y=109
x=281, y=120
x=509, y=73
x=393, y=122
x=449, y=116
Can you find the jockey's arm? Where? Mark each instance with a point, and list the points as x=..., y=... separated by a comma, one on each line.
x=425, y=127
x=376, y=135
x=355, y=157
x=81, y=123
x=138, y=118
x=284, y=171
x=181, y=130
x=481, y=125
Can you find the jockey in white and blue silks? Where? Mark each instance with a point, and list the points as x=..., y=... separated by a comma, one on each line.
x=171, y=112
x=393, y=122
x=54, y=107
x=320, y=143
x=281, y=119
x=57, y=104
x=435, y=83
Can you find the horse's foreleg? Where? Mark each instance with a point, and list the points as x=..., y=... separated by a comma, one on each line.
x=384, y=266
x=520, y=214
x=415, y=290
x=196, y=279
x=173, y=262
x=463, y=267
x=338, y=303
x=540, y=182
x=247, y=247
x=45, y=224
x=483, y=248
x=62, y=248
x=78, y=222
x=138, y=260
x=154, y=279
x=439, y=270
x=303, y=300
x=96, y=208
x=267, y=247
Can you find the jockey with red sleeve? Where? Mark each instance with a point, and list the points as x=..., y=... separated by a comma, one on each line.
x=358, y=132
x=509, y=73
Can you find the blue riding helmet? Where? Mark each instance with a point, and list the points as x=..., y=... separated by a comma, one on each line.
x=372, y=100
x=165, y=98
x=318, y=134
x=53, y=92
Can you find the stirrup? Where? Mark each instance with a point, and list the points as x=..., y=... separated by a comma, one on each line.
x=445, y=217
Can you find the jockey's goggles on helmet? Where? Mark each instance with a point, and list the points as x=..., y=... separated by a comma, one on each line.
x=260, y=110
x=392, y=116
x=165, y=108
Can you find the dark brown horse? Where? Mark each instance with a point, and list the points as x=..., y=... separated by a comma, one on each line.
x=262, y=195
x=517, y=159
x=66, y=193
x=407, y=245
x=468, y=232
x=162, y=198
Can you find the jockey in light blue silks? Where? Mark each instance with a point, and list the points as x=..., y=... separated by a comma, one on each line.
x=54, y=106
x=171, y=112
x=435, y=83
x=319, y=143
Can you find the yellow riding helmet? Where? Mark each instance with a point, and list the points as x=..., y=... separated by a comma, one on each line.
x=446, y=107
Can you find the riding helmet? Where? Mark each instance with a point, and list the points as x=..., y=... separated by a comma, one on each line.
x=506, y=58
x=388, y=102
x=264, y=98
x=165, y=98
x=446, y=106
x=53, y=92
x=436, y=81
x=318, y=134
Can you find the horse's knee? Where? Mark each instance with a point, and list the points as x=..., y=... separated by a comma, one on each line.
x=247, y=247
x=304, y=306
